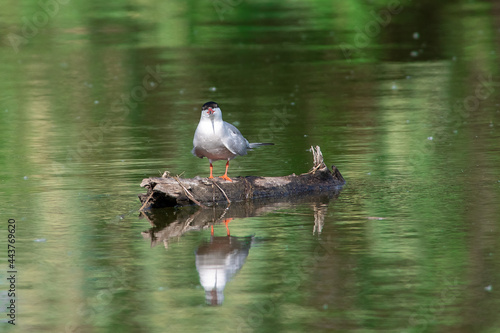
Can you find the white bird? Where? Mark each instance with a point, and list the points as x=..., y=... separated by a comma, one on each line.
x=217, y=140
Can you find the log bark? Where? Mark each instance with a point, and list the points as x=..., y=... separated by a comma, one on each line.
x=168, y=191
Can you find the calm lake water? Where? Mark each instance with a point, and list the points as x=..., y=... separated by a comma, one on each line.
x=403, y=97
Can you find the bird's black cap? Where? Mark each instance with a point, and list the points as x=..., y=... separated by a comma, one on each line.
x=209, y=105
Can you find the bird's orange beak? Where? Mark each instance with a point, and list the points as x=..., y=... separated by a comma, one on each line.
x=210, y=111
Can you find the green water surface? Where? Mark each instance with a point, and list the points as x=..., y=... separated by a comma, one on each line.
x=402, y=96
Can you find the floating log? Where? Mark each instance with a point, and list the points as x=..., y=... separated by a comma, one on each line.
x=168, y=191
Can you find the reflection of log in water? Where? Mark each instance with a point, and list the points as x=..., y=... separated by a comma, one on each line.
x=170, y=223
x=220, y=258
x=174, y=191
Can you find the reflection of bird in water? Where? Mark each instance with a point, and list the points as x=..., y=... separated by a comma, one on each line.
x=218, y=260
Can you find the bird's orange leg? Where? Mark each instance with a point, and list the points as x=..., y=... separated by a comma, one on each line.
x=226, y=222
x=212, y=230
x=225, y=177
x=211, y=169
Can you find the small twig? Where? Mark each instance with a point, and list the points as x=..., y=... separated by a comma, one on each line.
x=189, y=195
x=213, y=193
x=222, y=215
x=146, y=201
x=228, y=201
x=313, y=170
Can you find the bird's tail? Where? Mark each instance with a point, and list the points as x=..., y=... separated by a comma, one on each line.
x=256, y=144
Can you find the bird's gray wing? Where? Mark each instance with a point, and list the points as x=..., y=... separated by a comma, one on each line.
x=233, y=140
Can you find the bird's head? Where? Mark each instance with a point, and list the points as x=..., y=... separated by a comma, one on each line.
x=211, y=110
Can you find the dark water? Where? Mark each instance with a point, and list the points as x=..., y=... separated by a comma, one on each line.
x=403, y=99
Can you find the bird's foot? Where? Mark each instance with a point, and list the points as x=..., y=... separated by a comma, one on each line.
x=225, y=177
x=211, y=177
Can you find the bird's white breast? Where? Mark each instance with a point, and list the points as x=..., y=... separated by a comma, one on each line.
x=208, y=142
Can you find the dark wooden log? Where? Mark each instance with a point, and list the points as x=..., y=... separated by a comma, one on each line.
x=168, y=191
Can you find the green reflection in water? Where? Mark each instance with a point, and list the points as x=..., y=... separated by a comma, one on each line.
x=410, y=118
